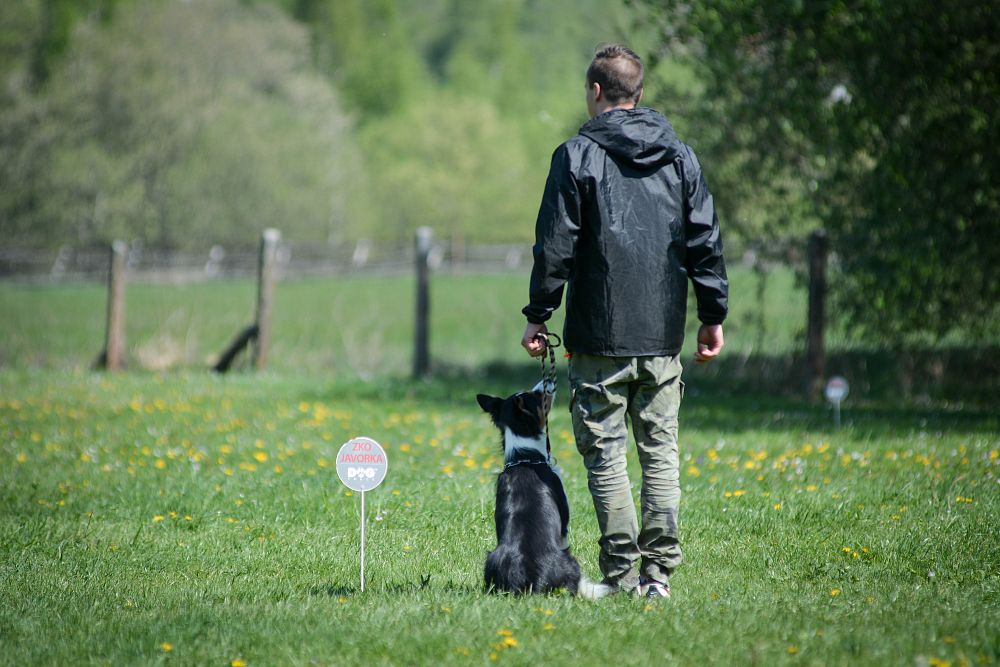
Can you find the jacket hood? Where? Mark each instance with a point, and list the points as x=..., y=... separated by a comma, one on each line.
x=641, y=136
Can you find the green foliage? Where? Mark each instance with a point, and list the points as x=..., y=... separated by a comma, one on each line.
x=457, y=108
x=179, y=124
x=459, y=105
x=873, y=119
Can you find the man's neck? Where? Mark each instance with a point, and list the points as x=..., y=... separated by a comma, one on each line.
x=602, y=108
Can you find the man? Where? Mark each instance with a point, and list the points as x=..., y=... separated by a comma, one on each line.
x=625, y=220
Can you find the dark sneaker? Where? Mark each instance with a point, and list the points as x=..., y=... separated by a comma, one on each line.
x=650, y=589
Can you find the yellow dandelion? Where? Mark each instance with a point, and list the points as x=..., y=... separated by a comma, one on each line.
x=395, y=492
x=166, y=647
x=249, y=467
x=236, y=662
x=793, y=649
x=548, y=626
x=188, y=517
x=348, y=493
x=509, y=641
x=834, y=592
x=811, y=488
x=22, y=457
x=777, y=506
x=694, y=471
x=405, y=447
x=158, y=518
x=260, y=456
x=504, y=632
x=448, y=469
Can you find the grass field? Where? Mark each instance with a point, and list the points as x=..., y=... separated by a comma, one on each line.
x=158, y=518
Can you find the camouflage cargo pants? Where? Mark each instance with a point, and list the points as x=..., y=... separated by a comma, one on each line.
x=649, y=391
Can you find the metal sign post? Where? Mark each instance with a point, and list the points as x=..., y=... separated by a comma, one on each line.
x=836, y=391
x=361, y=466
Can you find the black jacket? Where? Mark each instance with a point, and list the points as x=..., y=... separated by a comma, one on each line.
x=625, y=219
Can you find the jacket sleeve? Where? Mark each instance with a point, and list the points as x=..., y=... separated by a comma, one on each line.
x=556, y=232
x=704, y=262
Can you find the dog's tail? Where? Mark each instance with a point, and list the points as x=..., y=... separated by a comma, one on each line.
x=588, y=589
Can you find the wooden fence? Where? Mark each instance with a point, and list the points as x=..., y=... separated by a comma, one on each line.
x=273, y=261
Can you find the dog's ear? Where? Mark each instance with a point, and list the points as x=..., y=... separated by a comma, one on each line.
x=490, y=404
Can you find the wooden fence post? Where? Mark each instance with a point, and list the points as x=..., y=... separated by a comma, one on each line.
x=114, y=341
x=265, y=295
x=815, y=347
x=421, y=352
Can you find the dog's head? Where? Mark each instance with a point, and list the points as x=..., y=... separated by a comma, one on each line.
x=524, y=413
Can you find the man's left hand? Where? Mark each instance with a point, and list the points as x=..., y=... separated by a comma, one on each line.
x=710, y=342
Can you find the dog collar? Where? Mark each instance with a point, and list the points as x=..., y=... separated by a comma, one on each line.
x=517, y=462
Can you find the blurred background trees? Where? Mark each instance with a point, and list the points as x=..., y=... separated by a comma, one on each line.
x=175, y=124
x=875, y=120
x=183, y=123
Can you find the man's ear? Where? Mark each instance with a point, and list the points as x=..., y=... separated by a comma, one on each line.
x=490, y=404
x=598, y=91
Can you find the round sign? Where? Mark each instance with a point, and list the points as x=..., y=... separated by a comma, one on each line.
x=837, y=389
x=362, y=464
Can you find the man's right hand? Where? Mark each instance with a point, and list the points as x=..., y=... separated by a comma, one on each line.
x=710, y=342
x=531, y=341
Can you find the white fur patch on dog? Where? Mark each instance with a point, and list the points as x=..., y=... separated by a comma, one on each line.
x=512, y=441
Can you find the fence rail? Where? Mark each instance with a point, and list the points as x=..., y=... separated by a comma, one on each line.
x=293, y=260
x=304, y=260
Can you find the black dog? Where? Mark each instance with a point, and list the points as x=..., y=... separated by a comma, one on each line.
x=532, y=513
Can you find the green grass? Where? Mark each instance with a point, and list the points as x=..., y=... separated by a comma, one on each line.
x=178, y=509
x=144, y=510
x=356, y=327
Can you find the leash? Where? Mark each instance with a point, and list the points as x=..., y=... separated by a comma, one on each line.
x=549, y=378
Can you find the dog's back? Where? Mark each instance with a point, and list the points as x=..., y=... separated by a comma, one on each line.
x=532, y=518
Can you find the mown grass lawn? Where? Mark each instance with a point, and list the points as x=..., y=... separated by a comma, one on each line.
x=190, y=519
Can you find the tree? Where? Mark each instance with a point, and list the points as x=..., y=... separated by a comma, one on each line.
x=180, y=124
x=877, y=119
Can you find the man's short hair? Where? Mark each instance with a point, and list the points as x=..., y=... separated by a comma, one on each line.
x=618, y=70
